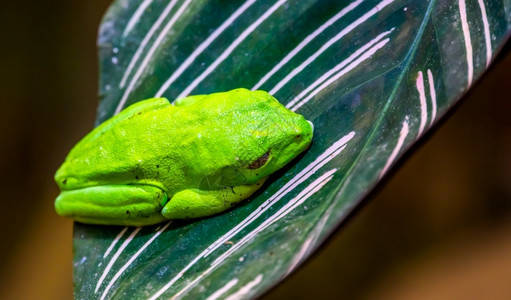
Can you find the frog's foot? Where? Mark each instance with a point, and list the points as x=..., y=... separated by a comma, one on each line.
x=196, y=203
x=136, y=205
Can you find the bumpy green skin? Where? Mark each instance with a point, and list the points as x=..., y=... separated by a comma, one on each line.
x=157, y=161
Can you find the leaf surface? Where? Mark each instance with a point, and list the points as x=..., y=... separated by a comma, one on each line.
x=373, y=77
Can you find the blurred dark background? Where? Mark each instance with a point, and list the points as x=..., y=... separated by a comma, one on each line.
x=439, y=229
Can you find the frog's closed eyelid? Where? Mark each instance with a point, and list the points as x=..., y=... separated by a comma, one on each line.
x=261, y=161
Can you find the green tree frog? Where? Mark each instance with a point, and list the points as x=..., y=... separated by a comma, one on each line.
x=157, y=161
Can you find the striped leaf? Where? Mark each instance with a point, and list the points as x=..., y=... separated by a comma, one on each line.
x=372, y=75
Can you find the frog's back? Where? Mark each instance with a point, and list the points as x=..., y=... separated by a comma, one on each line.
x=174, y=147
x=127, y=148
x=156, y=143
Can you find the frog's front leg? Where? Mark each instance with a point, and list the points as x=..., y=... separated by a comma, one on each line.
x=135, y=205
x=196, y=203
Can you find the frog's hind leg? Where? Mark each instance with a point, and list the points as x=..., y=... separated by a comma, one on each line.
x=196, y=203
x=134, y=205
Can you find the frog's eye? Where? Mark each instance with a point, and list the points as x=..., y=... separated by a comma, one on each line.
x=256, y=164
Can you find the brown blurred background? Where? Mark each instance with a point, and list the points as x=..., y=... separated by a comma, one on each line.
x=440, y=228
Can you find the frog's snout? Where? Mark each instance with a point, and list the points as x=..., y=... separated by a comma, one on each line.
x=312, y=125
x=305, y=132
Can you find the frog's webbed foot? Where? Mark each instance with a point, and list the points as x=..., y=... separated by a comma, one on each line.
x=135, y=205
x=196, y=203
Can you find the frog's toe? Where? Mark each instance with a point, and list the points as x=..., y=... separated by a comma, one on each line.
x=135, y=205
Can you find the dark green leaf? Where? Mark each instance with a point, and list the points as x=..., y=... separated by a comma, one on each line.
x=372, y=76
